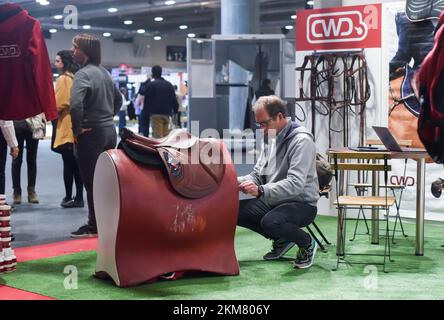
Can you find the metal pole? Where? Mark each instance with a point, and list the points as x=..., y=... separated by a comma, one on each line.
x=375, y=211
x=420, y=206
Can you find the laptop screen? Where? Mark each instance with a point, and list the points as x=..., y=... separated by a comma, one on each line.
x=387, y=138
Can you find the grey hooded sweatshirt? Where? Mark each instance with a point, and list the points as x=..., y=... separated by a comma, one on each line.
x=291, y=175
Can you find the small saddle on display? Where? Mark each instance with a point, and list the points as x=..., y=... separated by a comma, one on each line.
x=195, y=167
x=419, y=10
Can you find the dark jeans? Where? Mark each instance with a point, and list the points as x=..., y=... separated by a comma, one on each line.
x=3, y=156
x=144, y=124
x=122, y=119
x=71, y=172
x=31, y=159
x=282, y=222
x=89, y=146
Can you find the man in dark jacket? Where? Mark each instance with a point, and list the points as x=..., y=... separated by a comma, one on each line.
x=160, y=103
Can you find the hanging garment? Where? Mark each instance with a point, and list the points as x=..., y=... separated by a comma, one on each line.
x=26, y=86
x=430, y=81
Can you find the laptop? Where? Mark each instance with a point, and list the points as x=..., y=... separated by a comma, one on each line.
x=388, y=140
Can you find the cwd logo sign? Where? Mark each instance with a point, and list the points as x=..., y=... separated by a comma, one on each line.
x=336, y=27
x=339, y=28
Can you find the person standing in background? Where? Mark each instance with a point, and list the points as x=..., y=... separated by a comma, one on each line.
x=23, y=134
x=160, y=102
x=264, y=89
x=64, y=137
x=95, y=101
x=7, y=138
x=144, y=118
x=123, y=109
x=181, y=109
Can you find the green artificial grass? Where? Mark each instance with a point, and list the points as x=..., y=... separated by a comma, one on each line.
x=409, y=277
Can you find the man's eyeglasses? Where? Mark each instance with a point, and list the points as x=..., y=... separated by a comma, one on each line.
x=265, y=123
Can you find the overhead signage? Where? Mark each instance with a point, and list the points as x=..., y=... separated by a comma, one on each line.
x=339, y=28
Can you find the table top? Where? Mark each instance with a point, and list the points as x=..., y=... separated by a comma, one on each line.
x=405, y=154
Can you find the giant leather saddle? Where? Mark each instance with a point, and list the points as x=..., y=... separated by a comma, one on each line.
x=165, y=206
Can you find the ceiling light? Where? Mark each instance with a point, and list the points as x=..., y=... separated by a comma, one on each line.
x=55, y=75
x=58, y=17
x=128, y=22
x=170, y=2
x=112, y=10
x=86, y=27
x=191, y=35
x=289, y=27
x=310, y=2
x=158, y=19
x=183, y=27
x=157, y=38
x=141, y=31
x=293, y=17
x=43, y=2
x=107, y=34
x=53, y=30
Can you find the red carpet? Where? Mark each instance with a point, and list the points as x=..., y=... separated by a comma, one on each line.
x=8, y=293
x=43, y=252
x=55, y=249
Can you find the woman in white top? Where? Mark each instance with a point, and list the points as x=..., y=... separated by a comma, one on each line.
x=7, y=138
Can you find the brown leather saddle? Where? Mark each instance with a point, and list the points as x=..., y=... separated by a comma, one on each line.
x=195, y=167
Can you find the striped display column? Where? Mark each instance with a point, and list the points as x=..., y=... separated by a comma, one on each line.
x=8, y=260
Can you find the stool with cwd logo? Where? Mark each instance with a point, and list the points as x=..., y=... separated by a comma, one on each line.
x=8, y=260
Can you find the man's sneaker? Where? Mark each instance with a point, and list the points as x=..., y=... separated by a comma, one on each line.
x=280, y=248
x=305, y=256
x=85, y=231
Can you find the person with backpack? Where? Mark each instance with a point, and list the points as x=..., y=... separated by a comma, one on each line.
x=284, y=184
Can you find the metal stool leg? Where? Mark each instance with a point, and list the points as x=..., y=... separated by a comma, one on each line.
x=360, y=191
x=320, y=233
x=316, y=239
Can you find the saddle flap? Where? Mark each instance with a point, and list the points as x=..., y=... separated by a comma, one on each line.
x=179, y=139
x=191, y=174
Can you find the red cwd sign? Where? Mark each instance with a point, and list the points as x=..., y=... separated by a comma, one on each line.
x=339, y=28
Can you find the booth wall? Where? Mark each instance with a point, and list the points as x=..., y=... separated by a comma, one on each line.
x=151, y=52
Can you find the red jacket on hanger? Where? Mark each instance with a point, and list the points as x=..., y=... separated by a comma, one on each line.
x=26, y=85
